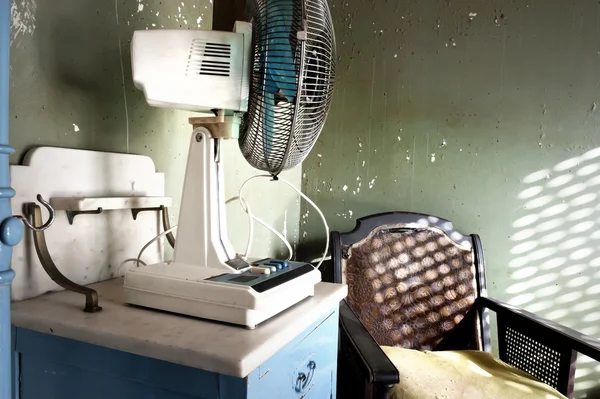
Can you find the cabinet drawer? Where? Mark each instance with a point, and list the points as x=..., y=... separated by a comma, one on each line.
x=305, y=368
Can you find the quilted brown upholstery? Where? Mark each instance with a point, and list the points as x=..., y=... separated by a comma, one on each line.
x=410, y=287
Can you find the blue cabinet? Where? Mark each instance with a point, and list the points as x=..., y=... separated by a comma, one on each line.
x=52, y=367
x=304, y=369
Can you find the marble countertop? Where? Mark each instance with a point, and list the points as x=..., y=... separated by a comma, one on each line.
x=206, y=345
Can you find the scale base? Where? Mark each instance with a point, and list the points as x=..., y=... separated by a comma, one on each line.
x=184, y=289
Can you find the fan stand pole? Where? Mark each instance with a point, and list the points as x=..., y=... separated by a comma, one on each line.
x=202, y=238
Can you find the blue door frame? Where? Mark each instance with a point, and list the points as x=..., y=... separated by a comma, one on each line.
x=11, y=229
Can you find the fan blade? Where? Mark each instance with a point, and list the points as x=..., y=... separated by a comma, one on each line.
x=281, y=73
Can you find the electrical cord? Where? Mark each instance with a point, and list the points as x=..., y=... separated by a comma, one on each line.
x=127, y=261
x=301, y=194
x=251, y=216
x=251, y=219
x=137, y=260
x=164, y=233
x=265, y=224
x=246, y=209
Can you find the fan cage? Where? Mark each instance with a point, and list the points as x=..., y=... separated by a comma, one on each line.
x=292, y=79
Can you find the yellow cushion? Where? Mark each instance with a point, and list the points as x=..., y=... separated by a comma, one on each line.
x=461, y=374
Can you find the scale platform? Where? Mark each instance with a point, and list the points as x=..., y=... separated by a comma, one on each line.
x=246, y=298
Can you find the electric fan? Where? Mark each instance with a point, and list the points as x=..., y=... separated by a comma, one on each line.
x=268, y=84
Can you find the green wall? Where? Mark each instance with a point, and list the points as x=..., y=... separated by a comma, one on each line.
x=506, y=99
x=484, y=113
x=71, y=86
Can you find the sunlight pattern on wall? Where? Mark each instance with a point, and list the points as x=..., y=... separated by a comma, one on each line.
x=555, y=257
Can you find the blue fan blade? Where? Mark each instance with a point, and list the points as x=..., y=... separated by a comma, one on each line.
x=279, y=55
x=269, y=120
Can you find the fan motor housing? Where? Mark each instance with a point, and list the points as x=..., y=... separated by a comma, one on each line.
x=193, y=70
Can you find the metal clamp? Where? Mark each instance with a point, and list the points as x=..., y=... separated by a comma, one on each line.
x=41, y=248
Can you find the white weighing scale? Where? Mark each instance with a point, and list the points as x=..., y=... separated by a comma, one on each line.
x=206, y=278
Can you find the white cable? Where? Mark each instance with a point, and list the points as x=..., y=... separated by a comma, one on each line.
x=301, y=194
x=164, y=233
x=137, y=260
x=127, y=261
x=251, y=216
x=320, y=214
x=246, y=209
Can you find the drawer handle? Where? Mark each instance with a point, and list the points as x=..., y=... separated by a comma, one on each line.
x=304, y=380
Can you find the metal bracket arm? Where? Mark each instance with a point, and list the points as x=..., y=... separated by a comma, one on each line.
x=39, y=239
x=71, y=214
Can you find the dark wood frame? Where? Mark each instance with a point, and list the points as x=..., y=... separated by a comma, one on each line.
x=364, y=367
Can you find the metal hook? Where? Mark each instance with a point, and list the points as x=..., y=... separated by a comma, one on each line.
x=43, y=227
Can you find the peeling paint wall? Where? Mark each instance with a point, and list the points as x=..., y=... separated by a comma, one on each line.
x=22, y=15
x=484, y=113
x=71, y=86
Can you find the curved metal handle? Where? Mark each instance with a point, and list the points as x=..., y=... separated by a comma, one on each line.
x=48, y=223
x=303, y=380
